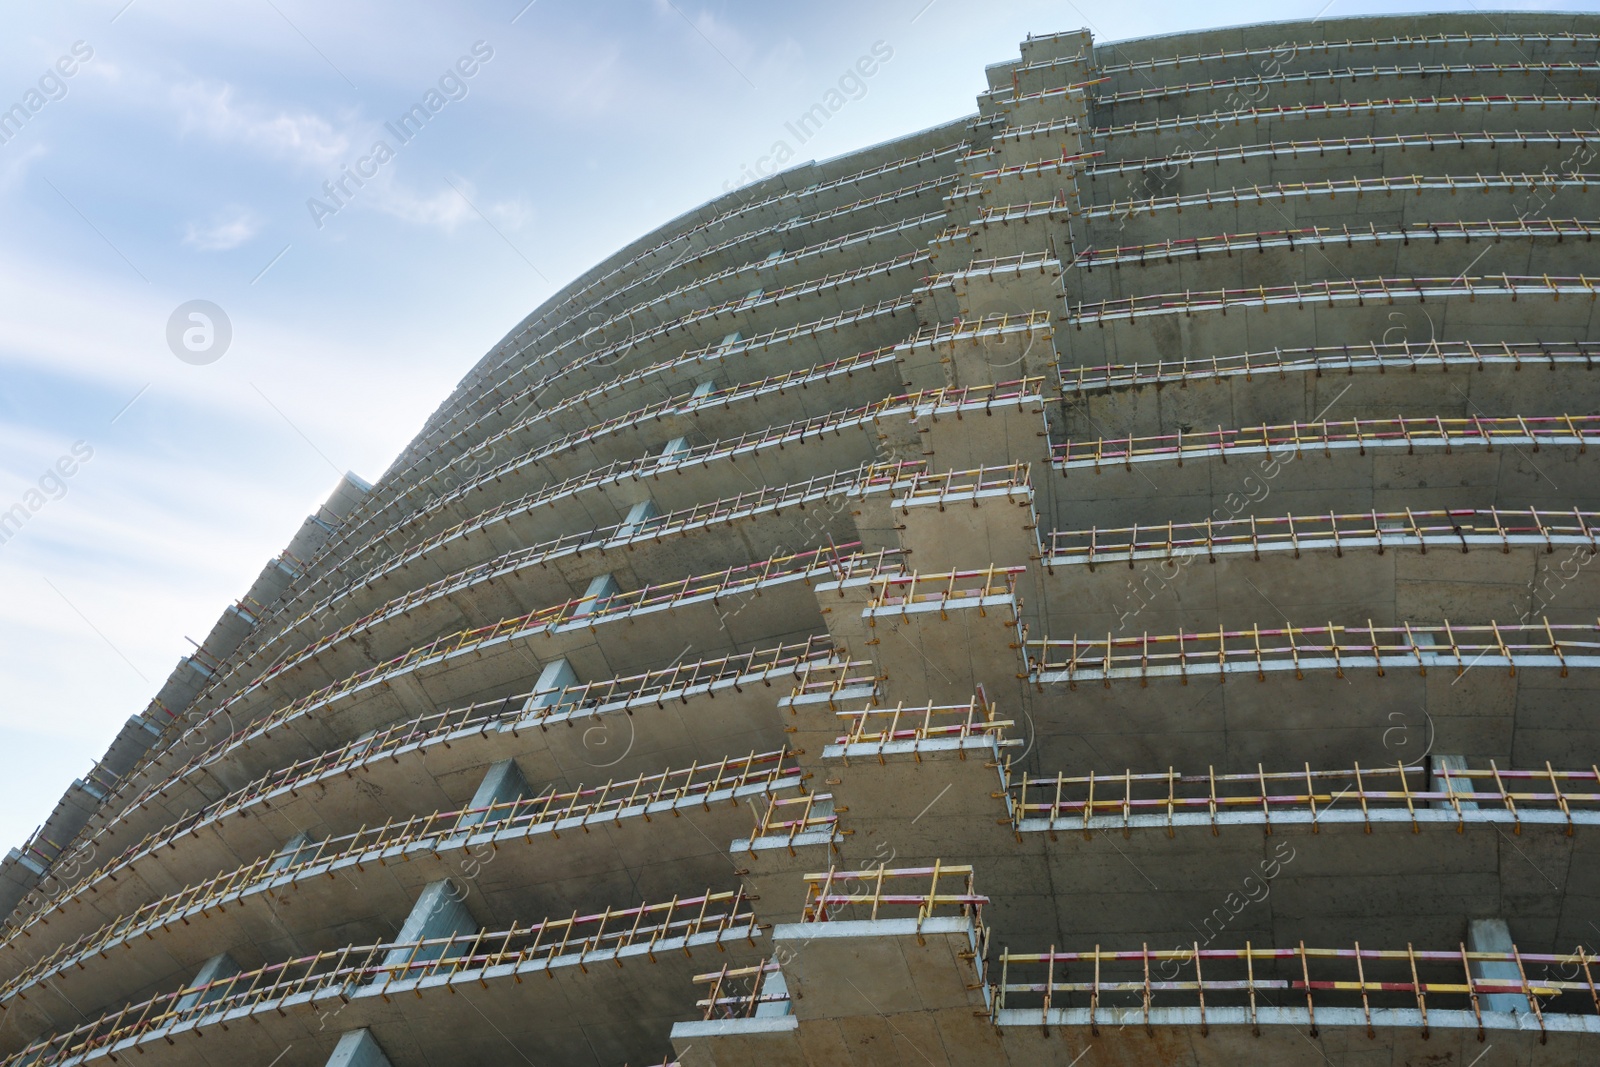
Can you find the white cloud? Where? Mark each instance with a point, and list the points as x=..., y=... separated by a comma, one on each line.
x=222, y=233
x=446, y=209
x=304, y=138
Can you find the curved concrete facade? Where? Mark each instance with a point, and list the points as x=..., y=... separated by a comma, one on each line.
x=1103, y=580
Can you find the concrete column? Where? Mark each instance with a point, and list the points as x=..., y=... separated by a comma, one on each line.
x=601, y=590
x=640, y=518
x=438, y=912
x=218, y=968
x=1437, y=767
x=1493, y=935
x=362, y=743
x=502, y=783
x=701, y=390
x=358, y=1048
x=552, y=687
x=298, y=847
x=729, y=341
x=773, y=985
x=674, y=446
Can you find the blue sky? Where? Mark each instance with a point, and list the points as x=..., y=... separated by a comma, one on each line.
x=176, y=163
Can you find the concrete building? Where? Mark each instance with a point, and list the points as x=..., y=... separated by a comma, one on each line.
x=1101, y=581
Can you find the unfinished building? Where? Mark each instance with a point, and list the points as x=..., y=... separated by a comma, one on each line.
x=1101, y=581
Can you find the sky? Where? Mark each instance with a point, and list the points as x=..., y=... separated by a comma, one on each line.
x=180, y=150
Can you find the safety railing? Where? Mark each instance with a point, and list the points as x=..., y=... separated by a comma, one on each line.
x=1343, y=108
x=798, y=431
x=1042, y=128
x=1313, y=236
x=804, y=662
x=1094, y=802
x=839, y=562
x=609, y=354
x=1120, y=988
x=1043, y=262
x=1065, y=163
x=1447, y=528
x=1402, y=355
x=1526, y=69
x=1000, y=214
x=922, y=487
x=684, y=404
x=1334, y=291
x=616, y=468
x=1321, y=147
x=906, y=590
x=860, y=480
x=956, y=397
x=1357, y=434
x=882, y=727
x=1008, y=95
x=828, y=282
x=883, y=893
x=380, y=969
x=787, y=818
x=592, y=608
x=1332, y=188
x=624, y=320
x=1300, y=648
x=476, y=396
x=1325, y=47
x=836, y=689
x=740, y=992
x=464, y=400
x=469, y=439
x=976, y=330
x=547, y=813
x=520, y=342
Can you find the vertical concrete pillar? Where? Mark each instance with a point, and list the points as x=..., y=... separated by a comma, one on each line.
x=674, y=446
x=439, y=912
x=298, y=848
x=1493, y=935
x=358, y=1048
x=599, y=593
x=729, y=341
x=362, y=743
x=218, y=968
x=640, y=518
x=550, y=691
x=1438, y=782
x=772, y=984
x=503, y=782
